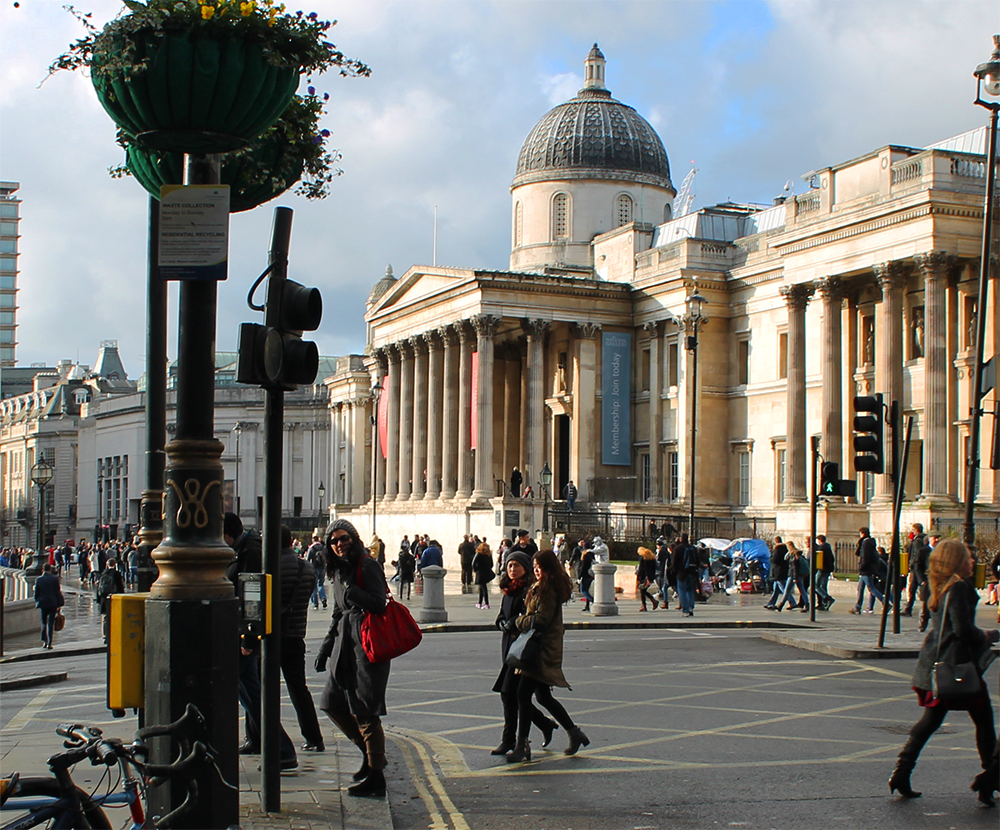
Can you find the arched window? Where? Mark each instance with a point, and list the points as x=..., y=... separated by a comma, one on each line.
x=668, y=212
x=623, y=214
x=518, y=224
x=560, y=216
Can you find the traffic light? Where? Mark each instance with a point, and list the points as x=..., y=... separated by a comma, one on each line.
x=829, y=479
x=869, y=442
x=290, y=361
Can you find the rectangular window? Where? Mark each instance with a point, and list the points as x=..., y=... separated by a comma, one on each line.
x=8, y=228
x=646, y=477
x=644, y=371
x=868, y=486
x=8, y=300
x=8, y=245
x=780, y=477
x=673, y=475
x=8, y=283
x=743, y=498
x=782, y=355
x=673, y=362
x=8, y=318
x=8, y=264
x=743, y=362
x=8, y=209
x=297, y=505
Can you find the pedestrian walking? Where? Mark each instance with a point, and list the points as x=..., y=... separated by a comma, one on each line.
x=868, y=569
x=482, y=567
x=516, y=479
x=685, y=561
x=316, y=557
x=795, y=563
x=110, y=582
x=517, y=578
x=543, y=614
x=354, y=695
x=825, y=565
x=466, y=553
x=570, y=493
x=953, y=639
x=48, y=600
x=407, y=567
x=586, y=574
x=645, y=575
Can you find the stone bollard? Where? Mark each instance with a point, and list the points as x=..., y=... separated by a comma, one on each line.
x=604, y=604
x=433, y=609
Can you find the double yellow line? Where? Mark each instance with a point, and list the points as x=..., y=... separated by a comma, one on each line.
x=443, y=813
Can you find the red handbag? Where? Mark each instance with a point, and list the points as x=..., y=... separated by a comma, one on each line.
x=389, y=634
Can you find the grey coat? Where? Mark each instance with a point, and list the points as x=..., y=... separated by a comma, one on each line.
x=362, y=682
x=961, y=640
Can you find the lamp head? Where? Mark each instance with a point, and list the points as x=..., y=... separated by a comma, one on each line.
x=321, y=490
x=988, y=74
x=546, y=475
x=695, y=306
x=376, y=391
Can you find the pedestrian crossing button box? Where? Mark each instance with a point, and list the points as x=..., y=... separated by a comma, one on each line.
x=255, y=603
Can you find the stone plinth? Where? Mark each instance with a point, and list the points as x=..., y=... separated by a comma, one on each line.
x=433, y=610
x=604, y=604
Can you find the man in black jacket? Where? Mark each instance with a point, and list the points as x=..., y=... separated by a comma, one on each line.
x=868, y=567
x=466, y=553
x=298, y=580
x=919, y=554
x=249, y=559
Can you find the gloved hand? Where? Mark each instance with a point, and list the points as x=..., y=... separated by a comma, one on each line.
x=320, y=664
x=511, y=627
x=501, y=624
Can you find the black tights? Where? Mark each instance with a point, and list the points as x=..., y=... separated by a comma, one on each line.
x=484, y=594
x=933, y=717
x=543, y=694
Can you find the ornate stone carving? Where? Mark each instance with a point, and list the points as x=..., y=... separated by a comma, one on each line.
x=420, y=343
x=448, y=335
x=891, y=276
x=831, y=289
x=486, y=325
x=796, y=296
x=586, y=331
x=654, y=328
x=537, y=328
x=935, y=263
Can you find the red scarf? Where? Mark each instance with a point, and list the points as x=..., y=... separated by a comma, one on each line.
x=515, y=586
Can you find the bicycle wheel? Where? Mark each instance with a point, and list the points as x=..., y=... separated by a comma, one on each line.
x=92, y=815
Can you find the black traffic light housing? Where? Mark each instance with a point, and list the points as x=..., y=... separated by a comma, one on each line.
x=829, y=479
x=869, y=440
x=274, y=355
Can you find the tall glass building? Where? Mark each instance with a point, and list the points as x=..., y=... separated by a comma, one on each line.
x=10, y=209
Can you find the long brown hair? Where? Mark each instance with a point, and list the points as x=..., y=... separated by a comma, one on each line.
x=943, y=569
x=553, y=576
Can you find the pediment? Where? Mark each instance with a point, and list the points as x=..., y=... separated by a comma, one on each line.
x=417, y=286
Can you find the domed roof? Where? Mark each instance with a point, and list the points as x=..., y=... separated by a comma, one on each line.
x=595, y=133
x=382, y=286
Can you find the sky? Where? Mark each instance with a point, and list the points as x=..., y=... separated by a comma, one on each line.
x=753, y=93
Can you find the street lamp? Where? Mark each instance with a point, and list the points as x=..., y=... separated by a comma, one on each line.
x=692, y=321
x=987, y=79
x=41, y=475
x=546, y=477
x=321, y=494
x=238, y=429
x=376, y=395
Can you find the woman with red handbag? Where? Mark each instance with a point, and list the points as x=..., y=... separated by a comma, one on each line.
x=354, y=697
x=953, y=640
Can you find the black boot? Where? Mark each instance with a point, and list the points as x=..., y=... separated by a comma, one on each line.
x=522, y=752
x=364, y=771
x=986, y=783
x=547, y=731
x=506, y=745
x=901, y=781
x=372, y=787
x=576, y=740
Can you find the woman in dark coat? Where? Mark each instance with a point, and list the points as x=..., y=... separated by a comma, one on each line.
x=514, y=584
x=951, y=565
x=586, y=574
x=645, y=575
x=354, y=696
x=482, y=567
x=49, y=599
x=543, y=613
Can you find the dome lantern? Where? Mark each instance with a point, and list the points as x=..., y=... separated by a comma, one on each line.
x=594, y=70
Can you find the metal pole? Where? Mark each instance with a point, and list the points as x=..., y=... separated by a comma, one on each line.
x=894, y=557
x=814, y=504
x=274, y=409
x=972, y=461
x=375, y=449
x=693, y=342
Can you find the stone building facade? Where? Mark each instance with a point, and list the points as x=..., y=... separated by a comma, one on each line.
x=576, y=356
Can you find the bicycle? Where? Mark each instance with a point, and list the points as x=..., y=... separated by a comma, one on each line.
x=57, y=802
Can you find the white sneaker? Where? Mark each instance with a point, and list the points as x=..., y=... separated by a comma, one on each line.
x=479, y=605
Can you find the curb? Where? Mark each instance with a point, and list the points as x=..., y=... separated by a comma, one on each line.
x=45, y=654
x=32, y=680
x=582, y=625
x=841, y=651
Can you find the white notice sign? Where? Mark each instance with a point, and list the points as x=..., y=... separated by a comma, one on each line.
x=194, y=232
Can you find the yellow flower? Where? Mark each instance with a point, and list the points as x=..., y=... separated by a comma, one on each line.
x=207, y=12
x=247, y=9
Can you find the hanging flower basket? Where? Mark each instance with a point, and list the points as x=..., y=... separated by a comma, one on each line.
x=293, y=151
x=197, y=94
x=201, y=76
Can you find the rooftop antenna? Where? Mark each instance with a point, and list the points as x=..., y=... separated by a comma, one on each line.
x=435, y=262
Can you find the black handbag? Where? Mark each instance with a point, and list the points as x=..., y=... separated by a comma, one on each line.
x=525, y=652
x=953, y=681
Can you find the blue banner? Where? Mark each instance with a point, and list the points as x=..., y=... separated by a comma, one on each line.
x=616, y=398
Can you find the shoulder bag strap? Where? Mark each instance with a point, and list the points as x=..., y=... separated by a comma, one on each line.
x=944, y=616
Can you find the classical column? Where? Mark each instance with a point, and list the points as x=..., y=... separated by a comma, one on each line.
x=512, y=409
x=464, y=412
x=655, y=329
x=585, y=413
x=334, y=451
x=891, y=278
x=535, y=455
x=406, y=420
x=831, y=290
x=796, y=460
x=379, y=370
x=392, y=425
x=435, y=402
x=450, y=413
x=419, y=417
x=934, y=267
x=486, y=326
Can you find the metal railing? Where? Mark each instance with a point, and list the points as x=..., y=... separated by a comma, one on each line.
x=635, y=527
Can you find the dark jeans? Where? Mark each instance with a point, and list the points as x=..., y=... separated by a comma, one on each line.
x=543, y=694
x=686, y=588
x=48, y=620
x=933, y=717
x=484, y=594
x=249, y=694
x=293, y=668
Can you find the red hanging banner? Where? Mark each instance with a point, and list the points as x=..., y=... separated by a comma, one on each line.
x=383, y=418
